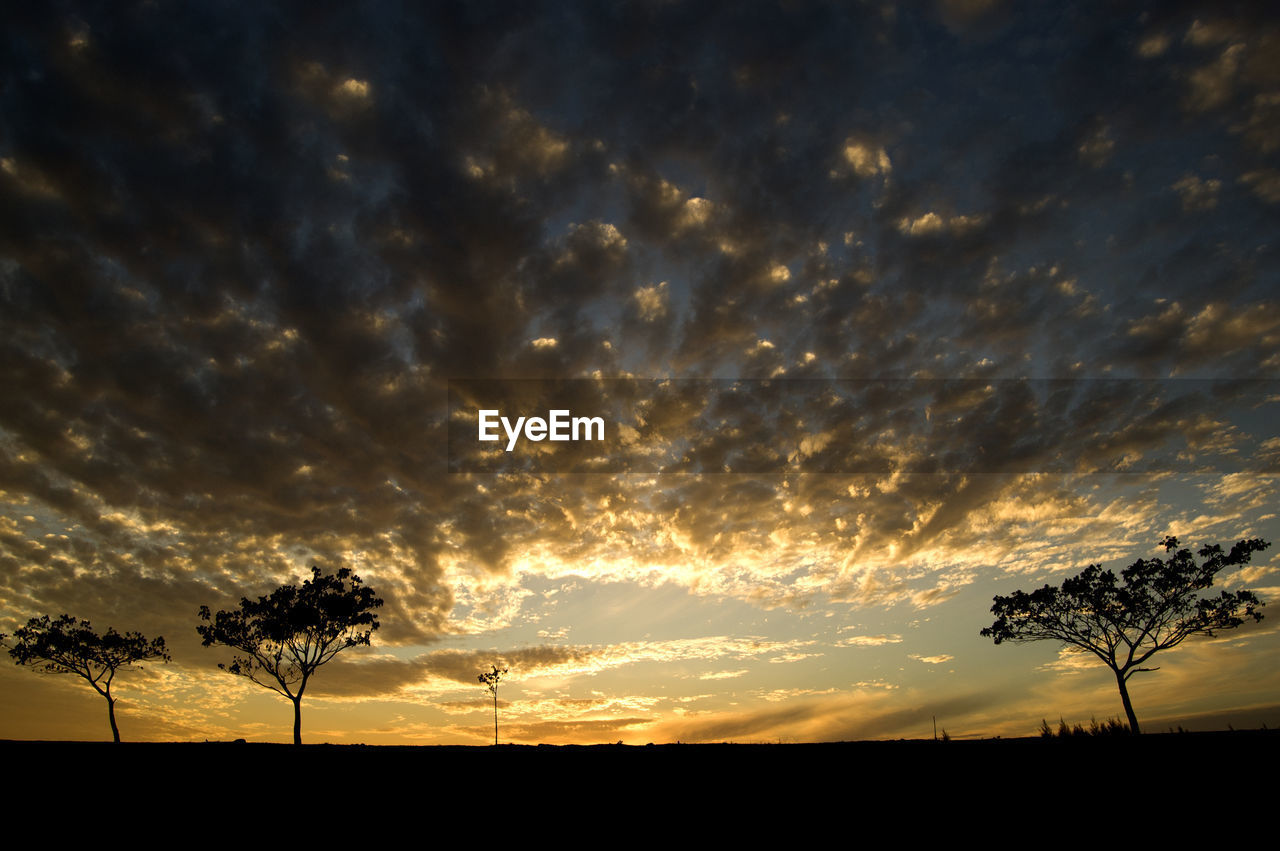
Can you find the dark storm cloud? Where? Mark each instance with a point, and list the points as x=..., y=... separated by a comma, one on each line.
x=243, y=251
x=842, y=720
x=385, y=676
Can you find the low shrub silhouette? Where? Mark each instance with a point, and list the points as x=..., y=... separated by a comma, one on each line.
x=1109, y=727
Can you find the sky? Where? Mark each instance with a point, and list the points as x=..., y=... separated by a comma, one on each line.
x=886, y=309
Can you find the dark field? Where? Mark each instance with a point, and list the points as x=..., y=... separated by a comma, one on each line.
x=1152, y=773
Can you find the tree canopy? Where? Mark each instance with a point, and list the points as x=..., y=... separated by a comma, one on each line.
x=1153, y=605
x=285, y=636
x=69, y=646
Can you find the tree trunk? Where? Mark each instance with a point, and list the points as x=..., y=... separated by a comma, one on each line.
x=1128, y=707
x=111, y=713
x=297, y=720
x=495, y=716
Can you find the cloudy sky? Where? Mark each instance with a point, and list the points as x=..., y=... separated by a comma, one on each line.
x=888, y=309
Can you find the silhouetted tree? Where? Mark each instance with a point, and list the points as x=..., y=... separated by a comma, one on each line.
x=1154, y=605
x=288, y=635
x=68, y=646
x=490, y=680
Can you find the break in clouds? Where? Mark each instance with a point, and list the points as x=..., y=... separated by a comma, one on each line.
x=245, y=251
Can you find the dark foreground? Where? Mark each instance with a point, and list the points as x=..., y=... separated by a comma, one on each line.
x=898, y=779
